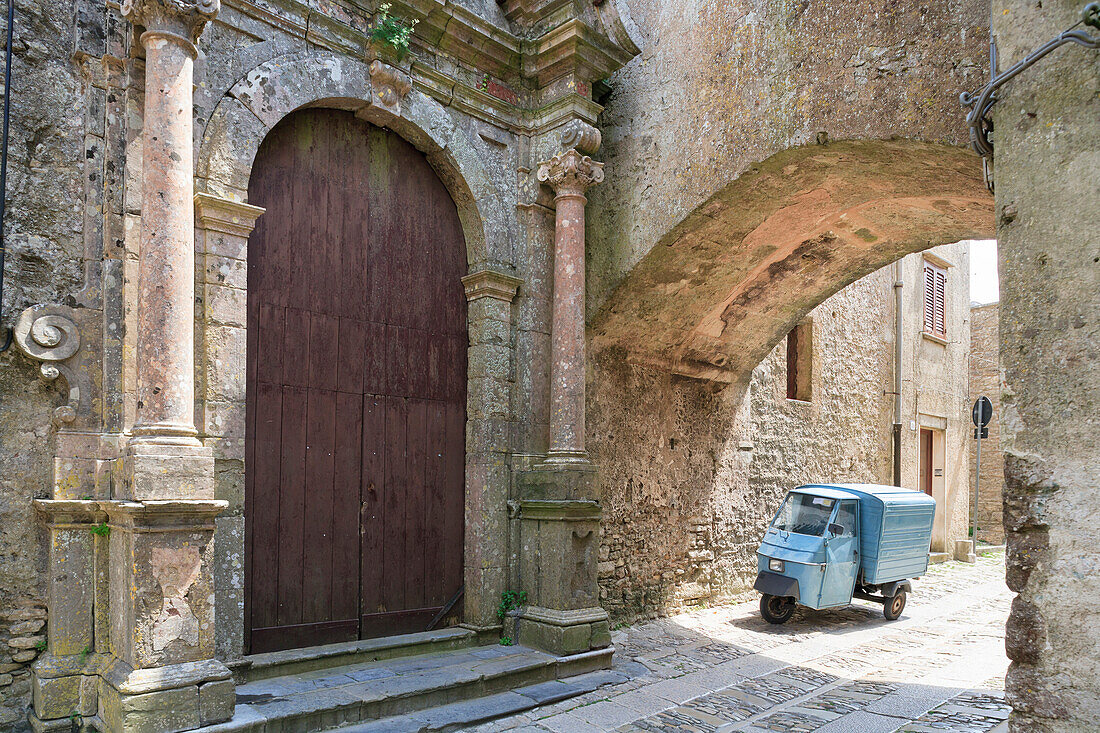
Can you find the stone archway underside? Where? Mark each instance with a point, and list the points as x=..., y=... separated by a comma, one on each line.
x=724, y=285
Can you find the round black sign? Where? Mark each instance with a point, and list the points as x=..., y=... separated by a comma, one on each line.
x=983, y=411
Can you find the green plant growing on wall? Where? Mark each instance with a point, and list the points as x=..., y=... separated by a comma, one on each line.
x=40, y=645
x=510, y=600
x=394, y=32
x=101, y=529
x=506, y=641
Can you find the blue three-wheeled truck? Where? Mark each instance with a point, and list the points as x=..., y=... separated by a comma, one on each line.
x=829, y=543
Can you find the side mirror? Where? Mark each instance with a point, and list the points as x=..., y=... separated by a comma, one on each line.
x=835, y=529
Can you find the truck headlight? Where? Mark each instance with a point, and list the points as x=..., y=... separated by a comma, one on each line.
x=775, y=565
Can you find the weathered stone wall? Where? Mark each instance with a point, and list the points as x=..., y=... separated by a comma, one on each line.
x=43, y=229
x=718, y=87
x=987, y=378
x=692, y=471
x=1046, y=157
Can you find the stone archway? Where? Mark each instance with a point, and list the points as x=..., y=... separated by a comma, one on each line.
x=671, y=421
x=718, y=291
x=382, y=95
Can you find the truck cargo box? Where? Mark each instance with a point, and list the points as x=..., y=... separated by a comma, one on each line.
x=895, y=531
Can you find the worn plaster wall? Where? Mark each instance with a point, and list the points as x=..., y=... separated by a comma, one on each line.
x=692, y=471
x=987, y=379
x=1046, y=157
x=719, y=86
x=43, y=227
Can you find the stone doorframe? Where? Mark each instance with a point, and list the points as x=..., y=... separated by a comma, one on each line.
x=383, y=95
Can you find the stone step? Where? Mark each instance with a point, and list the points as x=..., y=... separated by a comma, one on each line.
x=436, y=691
x=296, y=661
x=473, y=712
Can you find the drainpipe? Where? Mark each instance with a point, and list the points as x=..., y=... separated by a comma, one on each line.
x=898, y=286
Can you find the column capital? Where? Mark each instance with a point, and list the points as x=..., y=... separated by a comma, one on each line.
x=570, y=173
x=491, y=284
x=182, y=18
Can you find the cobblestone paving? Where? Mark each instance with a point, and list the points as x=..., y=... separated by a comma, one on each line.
x=940, y=667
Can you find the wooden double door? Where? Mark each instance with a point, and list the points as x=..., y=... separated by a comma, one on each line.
x=356, y=387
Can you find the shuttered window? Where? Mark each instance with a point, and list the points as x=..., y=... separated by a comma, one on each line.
x=935, y=300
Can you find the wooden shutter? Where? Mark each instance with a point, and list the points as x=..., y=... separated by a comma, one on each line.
x=935, y=300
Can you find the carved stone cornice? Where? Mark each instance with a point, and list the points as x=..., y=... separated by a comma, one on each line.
x=570, y=173
x=390, y=85
x=185, y=18
x=52, y=335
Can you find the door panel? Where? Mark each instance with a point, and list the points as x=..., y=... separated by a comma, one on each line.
x=356, y=387
x=841, y=557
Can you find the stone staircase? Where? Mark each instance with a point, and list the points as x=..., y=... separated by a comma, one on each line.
x=419, y=682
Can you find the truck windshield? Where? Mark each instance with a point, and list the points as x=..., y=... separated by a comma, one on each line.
x=804, y=514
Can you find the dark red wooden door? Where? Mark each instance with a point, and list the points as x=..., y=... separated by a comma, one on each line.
x=356, y=386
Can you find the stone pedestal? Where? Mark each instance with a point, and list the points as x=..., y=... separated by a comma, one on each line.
x=162, y=675
x=560, y=545
x=65, y=676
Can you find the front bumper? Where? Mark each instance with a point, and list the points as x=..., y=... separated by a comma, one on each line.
x=775, y=584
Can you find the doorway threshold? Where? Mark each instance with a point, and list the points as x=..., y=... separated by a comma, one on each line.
x=311, y=659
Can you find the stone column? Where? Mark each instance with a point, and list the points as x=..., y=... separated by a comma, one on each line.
x=160, y=674
x=165, y=459
x=488, y=427
x=569, y=174
x=558, y=509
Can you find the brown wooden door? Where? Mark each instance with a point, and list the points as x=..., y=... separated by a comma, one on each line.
x=356, y=387
x=926, y=461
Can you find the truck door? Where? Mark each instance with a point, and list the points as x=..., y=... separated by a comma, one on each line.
x=841, y=556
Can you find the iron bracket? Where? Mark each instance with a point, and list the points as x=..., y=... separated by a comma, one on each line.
x=981, y=102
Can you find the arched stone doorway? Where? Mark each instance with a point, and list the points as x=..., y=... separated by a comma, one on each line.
x=356, y=387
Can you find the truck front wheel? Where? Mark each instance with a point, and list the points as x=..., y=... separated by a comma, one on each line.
x=893, y=607
x=776, y=609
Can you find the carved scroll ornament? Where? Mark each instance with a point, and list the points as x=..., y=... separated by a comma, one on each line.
x=51, y=334
x=582, y=136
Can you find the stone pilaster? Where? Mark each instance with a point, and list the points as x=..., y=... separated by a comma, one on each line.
x=558, y=509
x=489, y=315
x=222, y=228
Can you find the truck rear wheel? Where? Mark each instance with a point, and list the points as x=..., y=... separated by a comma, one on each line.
x=893, y=607
x=776, y=609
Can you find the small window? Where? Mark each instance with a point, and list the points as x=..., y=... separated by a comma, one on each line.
x=935, y=300
x=846, y=518
x=800, y=348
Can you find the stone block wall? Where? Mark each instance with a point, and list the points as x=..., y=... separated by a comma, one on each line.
x=987, y=378
x=45, y=240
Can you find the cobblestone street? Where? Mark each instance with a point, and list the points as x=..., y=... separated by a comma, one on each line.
x=940, y=667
